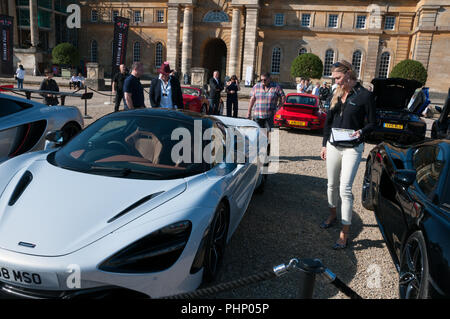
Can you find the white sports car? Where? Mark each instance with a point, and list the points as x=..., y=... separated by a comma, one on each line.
x=140, y=203
x=24, y=124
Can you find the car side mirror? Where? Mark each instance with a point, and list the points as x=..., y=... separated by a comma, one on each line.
x=55, y=137
x=405, y=177
x=438, y=108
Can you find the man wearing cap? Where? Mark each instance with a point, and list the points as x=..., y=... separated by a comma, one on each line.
x=165, y=91
x=48, y=84
x=133, y=89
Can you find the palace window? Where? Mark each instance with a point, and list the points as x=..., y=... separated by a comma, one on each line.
x=276, y=60
x=137, y=52
x=158, y=54
x=329, y=60
x=333, y=21
x=216, y=16
x=94, y=15
x=306, y=19
x=360, y=22
x=356, y=62
x=389, y=23
x=94, y=51
x=137, y=16
x=383, y=68
x=279, y=19
x=160, y=16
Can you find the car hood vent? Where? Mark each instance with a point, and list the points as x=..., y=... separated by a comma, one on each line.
x=131, y=207
x=23, y=183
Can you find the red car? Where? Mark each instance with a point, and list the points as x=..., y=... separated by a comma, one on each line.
x=300, y=111
x=195, y=99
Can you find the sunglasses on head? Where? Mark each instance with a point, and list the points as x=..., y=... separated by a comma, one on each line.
x=338, y=65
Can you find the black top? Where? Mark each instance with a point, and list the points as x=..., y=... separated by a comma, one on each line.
x=118, y=80
x=232, y=87
x=215, y=89
x=133, y=85
x=352, y=114
x=49, y=85
x=155, y=92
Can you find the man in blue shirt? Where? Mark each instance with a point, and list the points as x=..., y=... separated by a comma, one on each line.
x=132, y=87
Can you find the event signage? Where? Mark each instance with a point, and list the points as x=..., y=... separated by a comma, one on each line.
x=121, y=26
x=6, y=46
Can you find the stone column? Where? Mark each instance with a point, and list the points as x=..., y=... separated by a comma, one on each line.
x=186, y=54
x=424, y=34
x=370, y=67
x=173, y=26
x=13, y=13
x=52, y=34
x=234, y=43
x=34, y=27
x=251, y=25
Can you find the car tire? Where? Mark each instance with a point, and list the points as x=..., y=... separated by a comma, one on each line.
x=434, y=134
x=216, y=243
x=367, y=190
x=69, y=131
x=414, y=276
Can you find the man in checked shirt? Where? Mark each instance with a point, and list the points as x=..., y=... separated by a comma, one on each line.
x=266, y=96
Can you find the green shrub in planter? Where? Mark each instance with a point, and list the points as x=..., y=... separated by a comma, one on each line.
x=307, y=65
x=411, y=70
x=65, y=54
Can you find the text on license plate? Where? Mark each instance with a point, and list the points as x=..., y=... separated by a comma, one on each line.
x=28, y=278
x=395, y=126
x=298, y=123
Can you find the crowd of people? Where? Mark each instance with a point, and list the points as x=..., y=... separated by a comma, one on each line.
x=350, y=106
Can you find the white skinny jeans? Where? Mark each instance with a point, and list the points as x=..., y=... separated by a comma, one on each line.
x=342, y=166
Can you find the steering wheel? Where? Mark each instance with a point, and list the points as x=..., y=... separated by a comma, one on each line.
x=120, y=145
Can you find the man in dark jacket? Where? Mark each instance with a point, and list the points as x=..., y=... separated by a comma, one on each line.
x=165, y=91
x=48, y=84
x=117, y=86
x=215, y=87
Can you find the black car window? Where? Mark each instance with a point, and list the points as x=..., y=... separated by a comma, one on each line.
x=429, y=163
x=8, y=107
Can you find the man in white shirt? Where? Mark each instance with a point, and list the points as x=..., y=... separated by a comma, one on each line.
x=165, y=91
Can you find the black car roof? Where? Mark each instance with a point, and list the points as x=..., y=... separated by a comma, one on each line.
x=178, y=114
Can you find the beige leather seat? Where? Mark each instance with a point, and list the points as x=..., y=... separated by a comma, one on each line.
x=147, y=144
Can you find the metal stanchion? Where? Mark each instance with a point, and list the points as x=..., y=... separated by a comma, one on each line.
x=86, y=116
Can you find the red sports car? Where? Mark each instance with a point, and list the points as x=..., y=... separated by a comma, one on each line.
x=300, y=111
x=195, y=99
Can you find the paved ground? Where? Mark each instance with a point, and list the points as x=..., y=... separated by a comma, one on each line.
x=283, y=223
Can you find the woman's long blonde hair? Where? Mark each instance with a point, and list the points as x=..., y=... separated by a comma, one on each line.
x=342, y=67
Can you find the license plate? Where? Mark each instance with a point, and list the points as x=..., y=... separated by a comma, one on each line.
x=394, y=126
x=297, y=123
x=28, y=278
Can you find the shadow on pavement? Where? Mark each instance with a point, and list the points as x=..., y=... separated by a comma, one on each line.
x=281, y=224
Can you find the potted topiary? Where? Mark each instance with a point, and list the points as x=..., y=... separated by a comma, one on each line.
x=410, y=70
x=67, y=56
x=307, y=65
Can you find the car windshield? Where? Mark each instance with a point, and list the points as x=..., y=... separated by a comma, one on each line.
x=189, y=91
x=298, y=99
x=141, y=147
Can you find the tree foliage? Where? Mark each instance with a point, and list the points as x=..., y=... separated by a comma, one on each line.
x=307, y=65
x=411, y=70
x=65, y=54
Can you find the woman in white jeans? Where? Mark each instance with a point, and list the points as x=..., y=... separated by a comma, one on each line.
x=352, y=107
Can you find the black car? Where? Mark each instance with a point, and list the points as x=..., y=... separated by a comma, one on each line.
x=395, y=122
x=441, y=127
x=409, y=190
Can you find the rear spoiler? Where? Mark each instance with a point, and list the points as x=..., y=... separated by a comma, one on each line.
x=28, y=92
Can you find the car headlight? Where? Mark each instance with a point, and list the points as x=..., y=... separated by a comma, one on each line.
x=155, y=252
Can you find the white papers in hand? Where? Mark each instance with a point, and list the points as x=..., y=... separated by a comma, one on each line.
x=342, y=135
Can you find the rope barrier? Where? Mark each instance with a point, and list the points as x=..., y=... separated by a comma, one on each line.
x=267, y=275
x=110, y=95
x=307, y=270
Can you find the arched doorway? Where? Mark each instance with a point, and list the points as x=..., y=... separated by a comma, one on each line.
x=215, y=57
